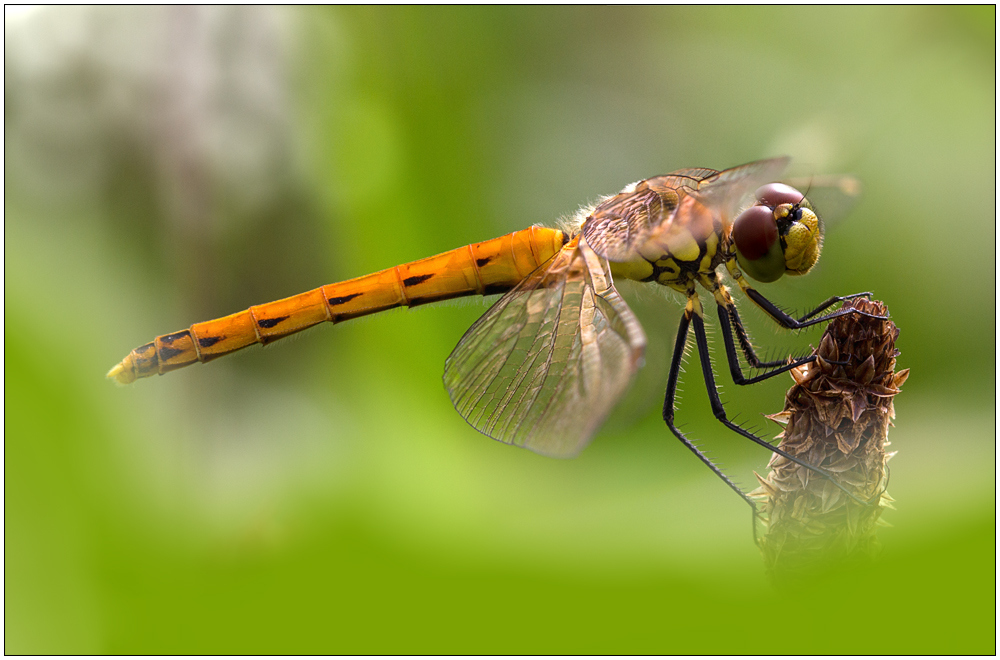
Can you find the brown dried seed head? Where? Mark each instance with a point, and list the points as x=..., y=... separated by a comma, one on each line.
x=828, y=349
x=836, y=417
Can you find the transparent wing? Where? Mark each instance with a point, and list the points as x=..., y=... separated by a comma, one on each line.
x=545, y=365
x=623, y=223
x=832, y=196
x=726, y=190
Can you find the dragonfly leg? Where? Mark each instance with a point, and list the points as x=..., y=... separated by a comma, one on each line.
x=720, y=413
x=729, y=320
x=809, y=319
x=833, y=300
x=669, y=408
x=729, y=317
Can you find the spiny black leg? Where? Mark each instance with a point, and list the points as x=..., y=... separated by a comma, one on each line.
x=729, y=310
x=833, y=300
x=787, y=321
x=807, y=320
x=720, y=412
x=668, y=410
x=727, y=314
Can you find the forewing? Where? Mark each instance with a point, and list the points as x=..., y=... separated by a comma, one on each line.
x=621, y=225
x=728, y=190
x=546, y=364
x=831, y=196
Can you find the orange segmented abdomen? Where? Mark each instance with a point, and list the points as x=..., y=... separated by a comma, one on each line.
x=485, y=268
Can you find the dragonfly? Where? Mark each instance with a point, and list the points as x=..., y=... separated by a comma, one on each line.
x=545, y=365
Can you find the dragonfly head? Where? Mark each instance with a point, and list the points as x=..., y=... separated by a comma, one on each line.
x=780, y=234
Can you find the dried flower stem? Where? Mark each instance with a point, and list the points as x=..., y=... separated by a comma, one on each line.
x=836, y=417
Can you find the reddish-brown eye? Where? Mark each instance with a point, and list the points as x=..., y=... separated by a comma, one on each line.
x=755, y=231
x=758, y=250
x=776, y=194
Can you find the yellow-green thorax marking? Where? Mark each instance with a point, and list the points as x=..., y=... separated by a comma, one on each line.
x=686, y=249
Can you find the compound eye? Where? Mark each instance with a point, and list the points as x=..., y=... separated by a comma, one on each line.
x=758, y=250
x=755, y=231
x=776, y=194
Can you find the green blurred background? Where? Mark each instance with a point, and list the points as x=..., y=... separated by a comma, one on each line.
x=170, y=165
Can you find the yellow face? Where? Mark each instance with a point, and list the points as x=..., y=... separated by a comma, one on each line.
x=803, y=243
x=778, y=235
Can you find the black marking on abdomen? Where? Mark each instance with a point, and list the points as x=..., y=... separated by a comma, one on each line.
x=146, y=359
x=207, y=342
x=166, y=353
x=491, y=289
x=171, y=338
x=482, y=262
x=417, y=279
x=270, y=323
x=340, y=300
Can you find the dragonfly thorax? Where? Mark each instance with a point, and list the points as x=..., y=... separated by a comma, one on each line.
x=684, y=250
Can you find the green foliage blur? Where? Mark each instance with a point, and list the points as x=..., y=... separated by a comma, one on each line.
x=170, y=165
